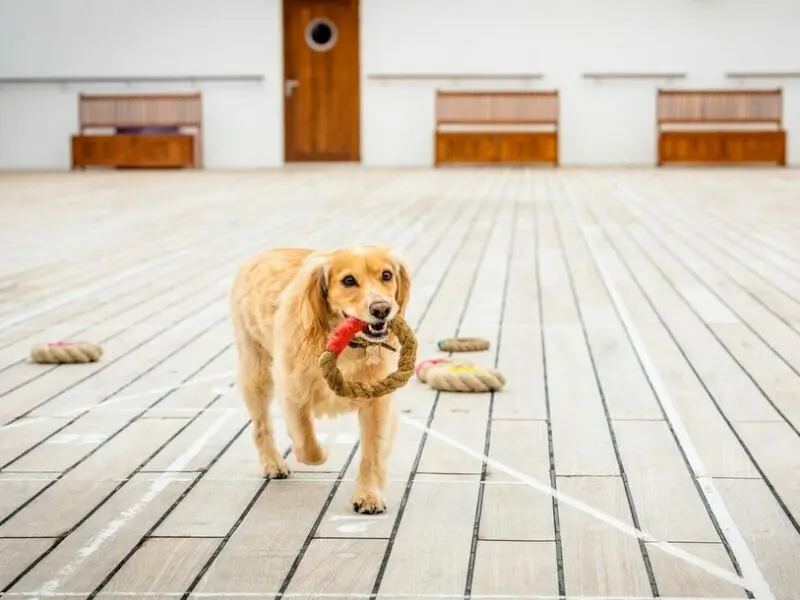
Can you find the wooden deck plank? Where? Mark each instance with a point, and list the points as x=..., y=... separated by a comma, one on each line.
x=232, y=482
x=755, y=377
x=669, y=506
x=83, y=559
x=581, y=439
x=337, y=566
x=69, y=445
x=767, y=531
x=624, y=387
x=18, y=488
x=517, y=569
x=162, y=566
x=520, y=353
x=512, y=511
x=599, y=560
x=677, y=578
x=200, y=461
x=106, y=375
x=715, y=442
x=266, y=542
x=727, y=292
x=18, y=554
x=764, y=329
x=431, y=549
x=777, y=449
x=91, y=480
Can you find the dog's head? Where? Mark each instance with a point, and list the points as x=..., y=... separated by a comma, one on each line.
x=366, y=282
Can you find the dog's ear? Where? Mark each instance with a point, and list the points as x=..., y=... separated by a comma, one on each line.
x=403, y=275
x=313, y=309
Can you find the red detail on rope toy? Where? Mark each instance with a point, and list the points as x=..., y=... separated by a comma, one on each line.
x=424, y=363
x=342, y=335
x=60, y=344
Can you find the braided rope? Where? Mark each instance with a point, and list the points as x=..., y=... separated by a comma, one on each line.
x=358, y=389
x=463, y=345
x=449, y=377
x=426, y=365
x=66, y=353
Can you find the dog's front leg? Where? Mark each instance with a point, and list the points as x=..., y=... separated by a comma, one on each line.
x=378, y=423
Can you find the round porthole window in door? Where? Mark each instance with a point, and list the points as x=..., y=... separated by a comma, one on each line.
x=321, y=35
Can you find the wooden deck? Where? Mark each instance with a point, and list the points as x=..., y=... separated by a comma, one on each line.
x=647, y=444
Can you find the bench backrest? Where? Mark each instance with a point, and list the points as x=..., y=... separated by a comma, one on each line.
x=720, y=107
x=153, y=110
x=512, y=108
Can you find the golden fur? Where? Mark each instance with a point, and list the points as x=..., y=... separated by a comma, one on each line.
x=284, y=304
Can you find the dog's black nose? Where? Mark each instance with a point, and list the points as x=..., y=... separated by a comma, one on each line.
x=380, y=310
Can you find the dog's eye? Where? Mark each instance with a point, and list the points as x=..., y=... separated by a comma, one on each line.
x=349, y=281
x=387, y=275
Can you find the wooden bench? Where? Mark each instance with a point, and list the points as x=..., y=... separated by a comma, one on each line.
x=142, y=131
x=496, y=127
x=720, y=127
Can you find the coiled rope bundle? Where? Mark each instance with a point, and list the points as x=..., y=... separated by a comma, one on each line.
x=66, y=353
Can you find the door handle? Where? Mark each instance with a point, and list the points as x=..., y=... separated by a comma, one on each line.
x=289, y=85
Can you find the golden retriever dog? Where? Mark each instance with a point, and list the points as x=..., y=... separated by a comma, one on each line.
x=284, y=304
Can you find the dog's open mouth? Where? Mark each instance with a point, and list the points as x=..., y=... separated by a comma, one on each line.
x=376, y=331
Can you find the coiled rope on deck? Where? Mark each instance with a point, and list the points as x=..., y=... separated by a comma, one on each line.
x=463, y=345
x=66, y=352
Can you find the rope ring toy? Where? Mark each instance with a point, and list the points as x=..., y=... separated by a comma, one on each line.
x=338, y=341
x=463, y=344
x=426, y=365
x=66, y=353
x=464, y=377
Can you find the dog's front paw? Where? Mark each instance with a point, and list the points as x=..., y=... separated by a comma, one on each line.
x=368, y=502
x=310, y=453
x=275, y=469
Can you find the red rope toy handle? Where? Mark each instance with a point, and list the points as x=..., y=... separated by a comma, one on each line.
x=343, y=334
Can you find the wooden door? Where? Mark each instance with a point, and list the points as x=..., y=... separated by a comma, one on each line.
x=321, y=80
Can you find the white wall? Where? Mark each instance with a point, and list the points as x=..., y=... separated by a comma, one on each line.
x=601, y=123
x=609, y=123
x=231, y=51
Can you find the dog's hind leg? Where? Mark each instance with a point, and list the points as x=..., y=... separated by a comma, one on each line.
x=255, y=382
x=300, y=423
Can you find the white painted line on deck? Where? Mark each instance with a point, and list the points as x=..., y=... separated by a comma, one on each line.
x=82, y=292
x=77, y=439
x=105, y=534
x=581, y=506
x=21, y=423
x=93, y=407
x=752, y=574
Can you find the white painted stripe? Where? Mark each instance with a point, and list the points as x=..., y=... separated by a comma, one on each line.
x=93, y=407
x=82, y=292
x=581, y=506
x=111, y=529
x=21, y=423
x=752, y=574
